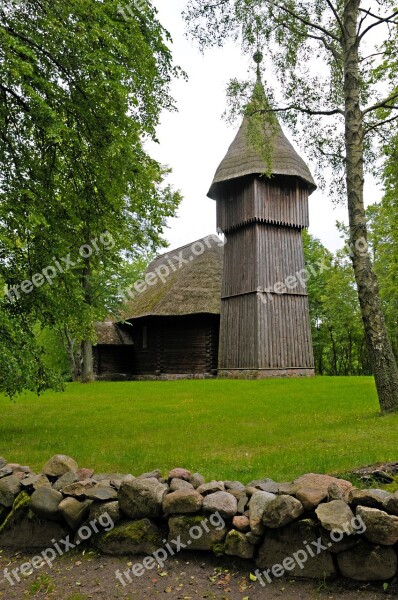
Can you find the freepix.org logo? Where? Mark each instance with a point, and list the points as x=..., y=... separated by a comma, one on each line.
x=59, y=548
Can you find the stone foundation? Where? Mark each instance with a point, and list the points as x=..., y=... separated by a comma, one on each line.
x=316, y=526
x=264, y=373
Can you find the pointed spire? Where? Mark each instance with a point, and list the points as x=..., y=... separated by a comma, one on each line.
x=258, y=59
x=243, y=158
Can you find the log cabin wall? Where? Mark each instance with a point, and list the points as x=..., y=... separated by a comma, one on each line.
x=183, y=345
x=112, y=360
x=162, y=347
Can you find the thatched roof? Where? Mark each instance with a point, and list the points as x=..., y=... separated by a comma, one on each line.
x=111, y=334
x=193, y=287
x=243, y=159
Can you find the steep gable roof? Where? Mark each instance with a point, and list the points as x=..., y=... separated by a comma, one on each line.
x=191, y=282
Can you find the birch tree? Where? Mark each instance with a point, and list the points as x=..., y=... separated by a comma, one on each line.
x=336, y=66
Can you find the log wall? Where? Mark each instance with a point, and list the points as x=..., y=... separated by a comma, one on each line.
x=175, y=345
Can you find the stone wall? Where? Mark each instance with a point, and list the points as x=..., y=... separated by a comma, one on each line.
x=317, y=526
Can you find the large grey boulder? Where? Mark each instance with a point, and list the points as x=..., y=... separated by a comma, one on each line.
x=196, y=480
x=237, y=544
x=180, y=484
x=257, y=505
x=366, y=562
x=264, y=485
x=234, y=485
x=286, y=548
x=211, y=488
x=390, y=504
x=34, y=482
x=45, y=502
x=184, y=501
x=338, y=542
x=373, y=498
x=336, y=516
x=79, y=489
x=281, y=511
x=381, y=528
x=243, y=504
x=66, y=479
x=222, y=503
x=141, y=498
x=130, y=537
x=74, y=512
x=5, y=472
x=312, y=489
x=58, y=465
x=101, y=493
x=111, y=510
x=22, y=529
x=10, y=487
x=180, y=473
x=194, y=535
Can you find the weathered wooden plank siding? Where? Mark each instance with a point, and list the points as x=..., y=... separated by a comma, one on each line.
x=280, y=201
x=264, y=327
x=260, y=256
x=238, y=333
x=263, y=331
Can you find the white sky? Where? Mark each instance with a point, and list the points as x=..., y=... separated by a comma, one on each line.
x=194, y=140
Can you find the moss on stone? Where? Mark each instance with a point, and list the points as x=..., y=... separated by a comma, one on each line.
x=134, y=531
x=19, y=510
x=218, y=550
x=191, y=521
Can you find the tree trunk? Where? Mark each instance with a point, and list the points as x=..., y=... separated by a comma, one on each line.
x=87, y=362
x=383, y=362
x=73, y=354
x=87, y=375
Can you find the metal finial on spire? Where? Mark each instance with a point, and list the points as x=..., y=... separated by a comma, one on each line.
x=258, y=59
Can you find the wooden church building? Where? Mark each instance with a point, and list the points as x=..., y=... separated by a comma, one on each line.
x=232, y=309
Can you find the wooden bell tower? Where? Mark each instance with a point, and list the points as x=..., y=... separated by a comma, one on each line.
x=265, y=325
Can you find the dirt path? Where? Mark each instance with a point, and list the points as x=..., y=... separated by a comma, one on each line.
x=186, y=577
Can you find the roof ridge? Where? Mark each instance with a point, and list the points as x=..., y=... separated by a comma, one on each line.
x=186, y=246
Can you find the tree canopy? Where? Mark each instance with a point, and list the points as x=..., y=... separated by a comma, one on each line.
x=82, y=90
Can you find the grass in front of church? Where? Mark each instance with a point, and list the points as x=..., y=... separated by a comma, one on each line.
x=222, y=429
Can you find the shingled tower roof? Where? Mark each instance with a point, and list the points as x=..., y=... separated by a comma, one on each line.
x=243, y=158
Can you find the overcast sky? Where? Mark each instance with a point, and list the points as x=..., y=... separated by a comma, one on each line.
x=194, y=140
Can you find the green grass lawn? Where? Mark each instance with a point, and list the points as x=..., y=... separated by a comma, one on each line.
x=223, y=429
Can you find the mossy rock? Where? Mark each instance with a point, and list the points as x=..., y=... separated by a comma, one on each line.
x=218, y=550
x=237, y=544
x=23, y=529
x=197, y=532
x=18, y=512
x=130, y=537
